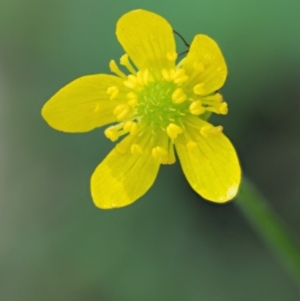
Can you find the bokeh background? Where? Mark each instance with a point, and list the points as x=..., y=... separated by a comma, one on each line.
x=171, y=244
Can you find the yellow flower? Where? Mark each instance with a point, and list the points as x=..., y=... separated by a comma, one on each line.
x=158, y=106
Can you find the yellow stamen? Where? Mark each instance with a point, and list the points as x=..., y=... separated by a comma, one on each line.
x=209, y=129
x=196, y=108
x=158, y=152
x=172, y=56
x=219, y=108
x=115, y=69
x=167, y=74
x=124, y=60
x=121, y=111
x=173, y=130
x=136, y=149
x=130, y=126
x=131, y=82
x=214, y=98
x=178, y=96
x=133, y=98
x=180, y=76
x=146, y=76
x=113, y=91
x=199, y=89
x=112, y=132
x=143, y=77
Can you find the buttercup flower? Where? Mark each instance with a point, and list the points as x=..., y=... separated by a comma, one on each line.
x=162, y=103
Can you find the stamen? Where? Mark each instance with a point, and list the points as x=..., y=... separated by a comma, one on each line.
x=213, y=98
x=113, y=91
x=158, y=152
x=112, y=132
x=131, y=82
x=133, y=98
x=136, y=149
x=207, y=130
x=130, y=126
x=168, y=74
x=178, y=96
x=143, y=77
x=199, y=89
x=125, y=62
x=173, y=130
x=196, y=108
x=115, y=69
x=218, y=108
x=180, y=76
x=146, y=76
x=121, y=111
x=172, y=56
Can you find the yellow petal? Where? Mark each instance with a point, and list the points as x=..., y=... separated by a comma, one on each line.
x=84, y=104
x=211, y=167
x=148, y=40
x=120, y=179
x=206, y=60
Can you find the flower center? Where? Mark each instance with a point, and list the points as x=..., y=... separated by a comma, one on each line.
x=155, y=107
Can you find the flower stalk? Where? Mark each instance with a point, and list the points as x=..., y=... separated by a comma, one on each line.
x=270, y=227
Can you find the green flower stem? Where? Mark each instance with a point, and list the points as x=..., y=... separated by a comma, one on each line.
x=270, y=227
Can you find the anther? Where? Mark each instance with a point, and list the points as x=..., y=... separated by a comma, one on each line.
x=173, y=130
x=207, y=130
x=172, y=56
x=179, y=96
x=199, y=89
x=196, y=108
x=113, y=91
x=130, y=126
x=158, y=152
x=131, y=82
x=124, y=60
x=180, y=76
x=112, y=133
x=132, y=98
x=146, y=76
x=121, y=111
x=167, y=74
x=143, y=77
x=219, y=108
x=115, y=69
x=216, y=97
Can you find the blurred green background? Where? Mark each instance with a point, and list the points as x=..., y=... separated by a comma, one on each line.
x=171, y=244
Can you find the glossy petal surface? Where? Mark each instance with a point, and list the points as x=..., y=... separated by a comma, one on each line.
x=83, y=104
x=147, y=38
x=120, y=179
x=212, y=70
x=212, y=167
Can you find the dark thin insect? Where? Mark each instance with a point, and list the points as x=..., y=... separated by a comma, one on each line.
x=184, y=41
x=182, y=38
